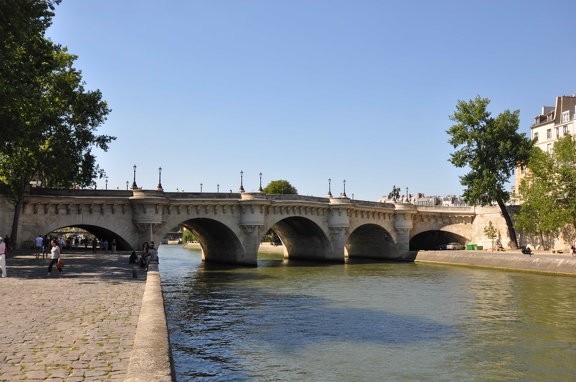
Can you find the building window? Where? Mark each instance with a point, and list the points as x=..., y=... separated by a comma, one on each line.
x=566, y=116
x=566, y=131
x=549, y=133
x=557, y=132
x=536, y=136
x=549, y=148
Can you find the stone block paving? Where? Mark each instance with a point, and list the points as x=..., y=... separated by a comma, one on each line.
x=77, y=327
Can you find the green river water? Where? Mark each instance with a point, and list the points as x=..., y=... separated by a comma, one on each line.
x=287, y=321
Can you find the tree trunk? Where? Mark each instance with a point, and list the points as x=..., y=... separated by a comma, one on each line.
x=15, y=222
x=509, y=224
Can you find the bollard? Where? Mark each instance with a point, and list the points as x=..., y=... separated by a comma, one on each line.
x=134, y=273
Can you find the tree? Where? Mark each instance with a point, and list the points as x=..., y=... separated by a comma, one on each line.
x=492, y=149
x=490, y=232
x=280, y=187
x=48, y=119
x=548, y=192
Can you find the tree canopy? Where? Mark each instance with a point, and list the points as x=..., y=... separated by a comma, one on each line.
x=280, y=187
x=491, y=148
x=48, y=119
x=548, y=193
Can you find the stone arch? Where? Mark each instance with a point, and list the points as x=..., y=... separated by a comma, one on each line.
x=218, y=242
x=122, y=244
x=371, y=241
x=303, y=239
x=432, y=239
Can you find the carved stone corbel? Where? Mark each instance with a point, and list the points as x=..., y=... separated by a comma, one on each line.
x=248, y=229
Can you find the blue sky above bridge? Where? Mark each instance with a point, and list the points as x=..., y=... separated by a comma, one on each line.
x=309, y=90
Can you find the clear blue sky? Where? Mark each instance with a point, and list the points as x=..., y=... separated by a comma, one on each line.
x=306, y=90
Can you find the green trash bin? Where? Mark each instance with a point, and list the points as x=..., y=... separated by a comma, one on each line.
x=479, y=247
x=470, y=246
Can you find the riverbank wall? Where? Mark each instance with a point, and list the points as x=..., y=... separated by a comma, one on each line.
x=510, y=260
x=151, y=358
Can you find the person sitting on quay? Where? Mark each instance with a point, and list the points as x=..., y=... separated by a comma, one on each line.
x=152, y=255
x=133, y=258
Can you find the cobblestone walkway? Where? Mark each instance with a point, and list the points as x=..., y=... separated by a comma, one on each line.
x=77, y=327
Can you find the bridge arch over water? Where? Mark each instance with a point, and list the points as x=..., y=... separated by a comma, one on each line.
x=231, y=226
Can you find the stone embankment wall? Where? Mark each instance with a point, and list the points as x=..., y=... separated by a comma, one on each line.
x=151, y=358
x=513, y=260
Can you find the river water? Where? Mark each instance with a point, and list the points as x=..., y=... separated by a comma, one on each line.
x=287, y=321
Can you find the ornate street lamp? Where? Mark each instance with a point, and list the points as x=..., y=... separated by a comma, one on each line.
x=127, y=183
x=134, y=186
x=106, y=181
x=200, y=187
x=241, y=182
x=159, y=187
x=344, y=194
x=260, y=189
x=218, y=188
x=329, y=191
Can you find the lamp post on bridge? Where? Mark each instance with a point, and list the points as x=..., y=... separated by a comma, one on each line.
x=127, y=183
x=159, y=187
x=200, y=187
x=241, y=189
x=218, y=188
x=329, y=191
x=134, y=186
x=344, y=194
x=106, y=181
x=260, y=189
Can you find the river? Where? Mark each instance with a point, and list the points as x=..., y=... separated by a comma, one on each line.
x=289, y=321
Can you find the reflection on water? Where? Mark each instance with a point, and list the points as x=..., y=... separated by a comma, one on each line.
x=365, y=321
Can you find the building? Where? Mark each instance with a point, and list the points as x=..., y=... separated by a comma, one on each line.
x=553, y=123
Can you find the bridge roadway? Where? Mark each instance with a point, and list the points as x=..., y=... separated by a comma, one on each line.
x=230, y=226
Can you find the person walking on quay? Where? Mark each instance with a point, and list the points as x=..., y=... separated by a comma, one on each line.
x=38, y=245
x=46, y=247
x=94, y=245
x=3, y=250
x=55, y=258
x=113, y=244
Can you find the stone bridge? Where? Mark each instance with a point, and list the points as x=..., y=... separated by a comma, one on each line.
x=231, y=226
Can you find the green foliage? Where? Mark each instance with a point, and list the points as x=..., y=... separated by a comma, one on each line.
x=548, y=191
x=491, y=148
x=280, y=187
x=188, y=236
x=48, y=119
x=491, y=232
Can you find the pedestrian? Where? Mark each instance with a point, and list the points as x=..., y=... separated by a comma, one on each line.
x=38, y=245
x=113, y=245
x=94, y=245
x=3, y=250
x=46, y=247
x=55, y=253
x=105, y=245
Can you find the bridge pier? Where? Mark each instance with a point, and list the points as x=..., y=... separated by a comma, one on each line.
x=402, y=225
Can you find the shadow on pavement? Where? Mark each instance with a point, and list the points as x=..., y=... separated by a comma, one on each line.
x=85, y=265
